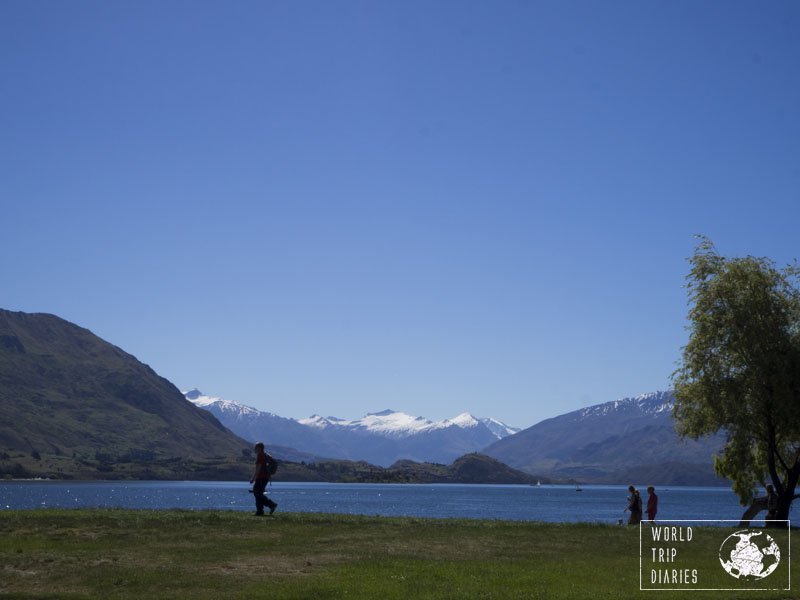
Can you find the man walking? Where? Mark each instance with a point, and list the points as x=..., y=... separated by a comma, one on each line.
x=260, y=479
x=652, y=503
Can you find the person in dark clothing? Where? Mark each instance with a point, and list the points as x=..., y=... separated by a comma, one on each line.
x=635, y=506
x=260, y=479
x=772, y=504
x=652, y=503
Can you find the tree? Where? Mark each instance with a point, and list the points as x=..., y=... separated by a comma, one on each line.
x=740, y=371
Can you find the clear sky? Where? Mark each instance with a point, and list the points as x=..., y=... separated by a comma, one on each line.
x=338, y=207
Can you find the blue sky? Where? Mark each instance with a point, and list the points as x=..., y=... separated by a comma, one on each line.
x=435, y=207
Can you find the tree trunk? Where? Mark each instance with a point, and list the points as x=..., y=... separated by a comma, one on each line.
x=784, y=506
x=756, y=507
x=759, y=504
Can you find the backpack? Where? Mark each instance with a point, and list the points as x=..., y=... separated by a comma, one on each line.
x=272, y=465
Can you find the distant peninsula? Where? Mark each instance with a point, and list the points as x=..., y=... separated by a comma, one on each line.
x=470, y=468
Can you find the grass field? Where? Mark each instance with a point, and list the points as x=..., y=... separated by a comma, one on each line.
x=209, y=554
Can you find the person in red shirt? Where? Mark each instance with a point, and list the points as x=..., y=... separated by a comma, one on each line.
x=260, y=479
x=652, y=503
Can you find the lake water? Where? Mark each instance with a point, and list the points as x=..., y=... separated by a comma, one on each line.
x=553, y=503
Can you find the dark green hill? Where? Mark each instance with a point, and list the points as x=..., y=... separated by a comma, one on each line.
x=479, y=468
x=73, y=405
x=470, y=468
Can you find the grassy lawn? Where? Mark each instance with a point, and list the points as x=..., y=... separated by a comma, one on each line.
x=210, y=554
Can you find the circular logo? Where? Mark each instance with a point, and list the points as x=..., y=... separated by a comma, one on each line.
x=749, y=554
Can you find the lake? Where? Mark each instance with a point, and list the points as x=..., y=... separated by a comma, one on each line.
x=553, y=503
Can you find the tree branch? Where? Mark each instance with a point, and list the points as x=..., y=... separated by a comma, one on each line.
x=783, y=463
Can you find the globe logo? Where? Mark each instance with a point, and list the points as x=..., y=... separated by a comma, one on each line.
x=749, y=555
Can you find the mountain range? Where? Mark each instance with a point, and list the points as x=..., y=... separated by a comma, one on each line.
x=74, y=406
x=381, y=438
x=631, y=439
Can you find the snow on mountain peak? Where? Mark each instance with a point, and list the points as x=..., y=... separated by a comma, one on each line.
x=321, y=422
x=464, y=420
x=392, y=423
x=387, y=423
x=650, y=403
x=499, y=429
x=197, y=398
x=396, y=424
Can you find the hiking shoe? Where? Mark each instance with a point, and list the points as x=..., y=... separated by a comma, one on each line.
x=273, y=507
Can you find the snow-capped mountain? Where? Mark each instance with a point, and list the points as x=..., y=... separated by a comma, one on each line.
x=381, y=438
x=626, y=439
x=630, y=440
x=653, y=403
x=398, y=425
x=233, y=409
x=500, y=429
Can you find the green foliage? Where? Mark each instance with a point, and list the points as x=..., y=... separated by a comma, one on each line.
x=740, y=370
